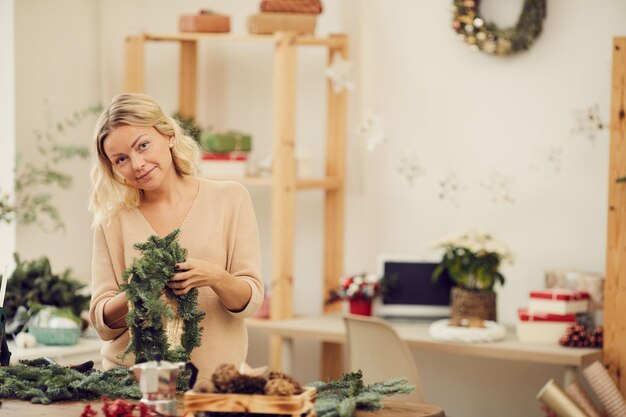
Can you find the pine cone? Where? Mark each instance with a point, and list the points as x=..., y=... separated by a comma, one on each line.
x=282, y=384
x=246, y=384
x=222, y=376
x=280, y=387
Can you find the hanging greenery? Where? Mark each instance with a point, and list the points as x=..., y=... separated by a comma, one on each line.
x=340, y=398
x=145, y=283
x=42, y=382
x=489, y=38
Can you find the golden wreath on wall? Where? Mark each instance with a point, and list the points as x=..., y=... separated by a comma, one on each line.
x=487, y=37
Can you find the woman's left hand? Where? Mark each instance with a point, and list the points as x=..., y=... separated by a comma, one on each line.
x=195, y=273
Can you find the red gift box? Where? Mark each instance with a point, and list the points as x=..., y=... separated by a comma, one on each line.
x=559, y=294
x=558, y=301
x=525, y=315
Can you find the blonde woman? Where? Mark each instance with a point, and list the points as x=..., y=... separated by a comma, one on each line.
x=145, y=183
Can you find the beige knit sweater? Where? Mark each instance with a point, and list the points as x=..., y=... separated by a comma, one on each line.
x=220, y=228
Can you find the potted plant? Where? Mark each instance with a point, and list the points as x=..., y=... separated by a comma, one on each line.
x=359, y=290
x=472, y=261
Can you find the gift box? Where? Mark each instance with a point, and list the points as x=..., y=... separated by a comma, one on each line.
x=542, y=327
x=230, y=141
x=216, y=165
x=589, y=282
x=268, y=23
x=204, y=21
x=290, y=6
x=558, y=301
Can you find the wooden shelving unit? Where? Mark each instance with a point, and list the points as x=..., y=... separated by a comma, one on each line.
x=283, y=181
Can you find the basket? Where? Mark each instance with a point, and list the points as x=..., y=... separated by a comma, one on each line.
x=55, y=336
x=473, y=304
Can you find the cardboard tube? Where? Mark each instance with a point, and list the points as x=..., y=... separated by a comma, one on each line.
x=554, y=397
x=581, y=398
x=604, y=388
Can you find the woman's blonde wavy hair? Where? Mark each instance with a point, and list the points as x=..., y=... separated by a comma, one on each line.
x=109, y=193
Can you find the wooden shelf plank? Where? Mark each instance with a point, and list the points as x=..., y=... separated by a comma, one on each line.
x=332, y=42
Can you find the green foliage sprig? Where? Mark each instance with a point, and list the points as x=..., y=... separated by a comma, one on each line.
x=33, y=283
x=31, y=204
x=145, y=282
x=40, y=382
x=340, y=398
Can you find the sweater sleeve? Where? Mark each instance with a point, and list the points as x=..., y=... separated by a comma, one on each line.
x=104, y=285
x=245, y=263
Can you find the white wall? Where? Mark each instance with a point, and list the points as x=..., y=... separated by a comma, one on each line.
x=7, y=123
x=58, y=74
x=459, y=114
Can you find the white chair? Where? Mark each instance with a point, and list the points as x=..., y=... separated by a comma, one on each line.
x=374, y=347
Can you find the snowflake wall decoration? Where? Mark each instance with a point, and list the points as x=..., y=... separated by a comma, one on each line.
x=550, y=162
x=499, y=187
x=339, y=73
x=449, y=189
x=372, y=131
x=588, y=122
x=410, y=168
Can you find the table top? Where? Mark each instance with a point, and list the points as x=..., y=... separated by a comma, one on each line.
x=75, y=408
x=330, y=328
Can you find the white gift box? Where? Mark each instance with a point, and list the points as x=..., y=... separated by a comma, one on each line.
x=227, y=165
x=542, y=327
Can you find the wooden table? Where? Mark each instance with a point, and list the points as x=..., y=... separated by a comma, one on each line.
x=74, y=409
x=330, y=328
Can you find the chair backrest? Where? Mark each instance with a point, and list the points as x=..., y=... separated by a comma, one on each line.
x=374, y=347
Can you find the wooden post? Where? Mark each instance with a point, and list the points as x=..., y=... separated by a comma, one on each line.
x=188, y=76
x=332, y=357
x=134, y=65
x=283, y=186
x=615, y=282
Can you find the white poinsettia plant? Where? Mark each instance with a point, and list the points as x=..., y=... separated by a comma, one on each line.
x=473, y=260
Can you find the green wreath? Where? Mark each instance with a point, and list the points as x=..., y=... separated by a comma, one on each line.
x=487, y=37
x=144, y=284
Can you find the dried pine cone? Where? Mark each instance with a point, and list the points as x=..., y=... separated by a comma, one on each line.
x=282, y=384
x=246, y=384
x=222, y=376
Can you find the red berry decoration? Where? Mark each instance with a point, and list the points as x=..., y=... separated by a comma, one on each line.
x=578, y=336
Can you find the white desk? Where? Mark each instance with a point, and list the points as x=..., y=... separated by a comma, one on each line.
x=330, y=328
x=87, y=348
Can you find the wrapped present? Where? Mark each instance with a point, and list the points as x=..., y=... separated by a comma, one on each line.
x=291, y=6
x=589, y=282
x=204, y=21
x=268, y=23
x=230, y=141
x=542, y=327
x=558, y=301
x=221, y=165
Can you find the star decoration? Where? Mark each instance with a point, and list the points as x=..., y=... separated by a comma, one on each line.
x=372, y=131
x=339, y=73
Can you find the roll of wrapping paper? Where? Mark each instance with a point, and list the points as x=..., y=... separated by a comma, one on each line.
x=554, y=397
x=580, y=397
x=605, y=390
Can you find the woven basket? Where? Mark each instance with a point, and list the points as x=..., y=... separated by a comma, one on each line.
x=473, y=304
x=52, y=336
